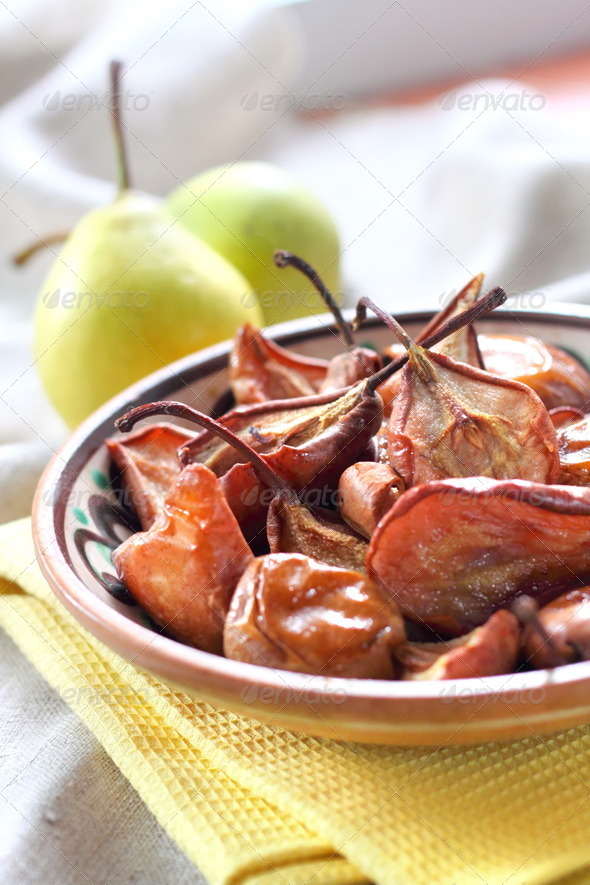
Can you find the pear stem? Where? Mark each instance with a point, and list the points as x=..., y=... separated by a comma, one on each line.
x=387, y=318
x=179, y=410
x=415, y=352
x=40, y=243
x=115, y=108
x=485, y=304
x=283, y=258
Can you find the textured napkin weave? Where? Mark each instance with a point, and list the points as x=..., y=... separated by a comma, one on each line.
x=250, y=804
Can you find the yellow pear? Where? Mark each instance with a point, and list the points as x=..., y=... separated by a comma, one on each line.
x=130, y=292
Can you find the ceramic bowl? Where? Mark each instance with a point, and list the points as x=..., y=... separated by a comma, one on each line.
x=78, y=520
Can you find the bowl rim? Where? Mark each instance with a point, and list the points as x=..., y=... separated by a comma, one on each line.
x=167, y=656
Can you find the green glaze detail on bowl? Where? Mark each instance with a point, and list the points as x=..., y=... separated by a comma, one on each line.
x=99, y=526
x=80, y=515
x=101, y=479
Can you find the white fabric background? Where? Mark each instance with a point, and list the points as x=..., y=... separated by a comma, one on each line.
x=425, y=197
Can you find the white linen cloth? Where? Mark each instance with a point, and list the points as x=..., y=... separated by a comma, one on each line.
x=425, y=196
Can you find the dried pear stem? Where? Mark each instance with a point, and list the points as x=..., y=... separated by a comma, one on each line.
x=526, y=610
x=387, y=318
x=123, y=167
x=487, y=303
x=40, y=243
x=120, y=145
x=179, y=410
x=283, y=258
x=416, y=352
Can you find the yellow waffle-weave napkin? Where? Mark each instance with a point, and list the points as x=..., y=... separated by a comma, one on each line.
x=250, y=804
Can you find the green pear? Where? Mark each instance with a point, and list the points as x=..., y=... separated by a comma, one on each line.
x=130, y=292
x=246, y=211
